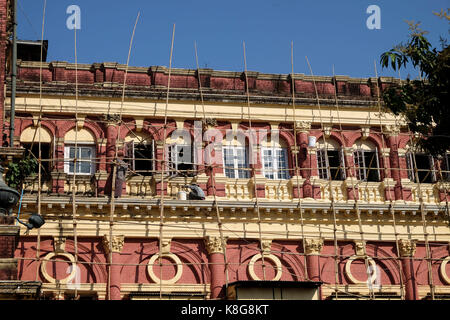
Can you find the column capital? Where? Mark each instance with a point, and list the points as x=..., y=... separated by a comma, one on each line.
x=116, y=244
x=407, y=247
x=313, y=246
x=392, y=130
x=214, y=244
x=266, y=245
x=165, y=245
x=59, y=244
x=303, y=126
x=360, y=248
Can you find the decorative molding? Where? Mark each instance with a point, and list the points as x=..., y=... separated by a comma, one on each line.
x=392, y=130
x=59, y=244
x=80, y=121
x=170, y=256
x=443, y=270
x=165, y=245
x=266, y=245
x=117, y=243
x=327, y=130
x=303, y=126
x=365, y=131
x=274, y=259
x=372, y=268
x=214, y=244
x=73, y=269
x=313, y=246
x=139, y=123
x=360, y=248
x=407, y=247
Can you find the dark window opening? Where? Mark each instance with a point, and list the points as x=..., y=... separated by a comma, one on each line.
x=367, y=165
x=46, y=163
x=139, y=157
x=425, y=168
x=181, y=160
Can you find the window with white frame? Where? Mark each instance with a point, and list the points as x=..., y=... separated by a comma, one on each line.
x=139, y=156
x=330, y=160
x=275, y=163
x=181, y=159
x=85, y=159
x=366, y=161
x=425, y=167
x=235, y=159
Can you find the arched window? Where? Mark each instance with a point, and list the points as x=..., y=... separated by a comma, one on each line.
x=426, y=172
x=366, y=161
x=181, y=157
x=79, y=145
x=330, y=160
x=275, y=159
x=30, y=138
x=235, y=159
x=139, y=151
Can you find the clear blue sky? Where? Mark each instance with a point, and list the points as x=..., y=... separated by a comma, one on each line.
x=328, y=32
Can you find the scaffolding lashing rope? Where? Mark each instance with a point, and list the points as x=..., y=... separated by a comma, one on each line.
x=253, y=171
x=297, y=169
x=355, y=197
x=163, y=167
x=216, y=205
x=114, y=164
x=38, y=246
x=391, y=202
x=74, y=203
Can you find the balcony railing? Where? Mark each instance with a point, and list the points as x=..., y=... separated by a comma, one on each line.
x=237, y=189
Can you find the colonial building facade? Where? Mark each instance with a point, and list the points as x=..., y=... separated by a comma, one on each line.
x=311, y=190
x=328, y=197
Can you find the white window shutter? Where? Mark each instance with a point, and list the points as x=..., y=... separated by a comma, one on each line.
x=342, y=162
x=377, y=162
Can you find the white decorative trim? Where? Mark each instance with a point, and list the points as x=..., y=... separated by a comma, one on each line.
x=274, y=259
x=349, y=272
x=443, y=271
x=58, y=254
x=170, y=256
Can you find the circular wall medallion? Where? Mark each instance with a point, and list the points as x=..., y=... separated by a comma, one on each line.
x=349, y=272
x=274, y=259
x=51, y=255
x=443, y=271
x=170, y=256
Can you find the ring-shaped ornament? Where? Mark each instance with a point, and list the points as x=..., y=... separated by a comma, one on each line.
x=443, y=271
x=349, y=272
x=48, y=277
x=274, y=259
x=170, y=256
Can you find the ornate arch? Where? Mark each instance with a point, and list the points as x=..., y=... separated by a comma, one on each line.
x=186, y=254
x=289, y=260
x=390, y=267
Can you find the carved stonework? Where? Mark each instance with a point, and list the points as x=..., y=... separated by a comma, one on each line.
x=313, y=246
x=327, y=131
x=365, y=131
x=266, y=245
x=392, y=130
x=303, y=126
x=359, y=248
x=165, y=245
x=59, y=244
x=407, y=248
x=117, y=243
x=214, y=244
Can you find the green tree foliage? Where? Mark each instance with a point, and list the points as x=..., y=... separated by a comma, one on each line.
x=423, y=102
x=19, y=170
